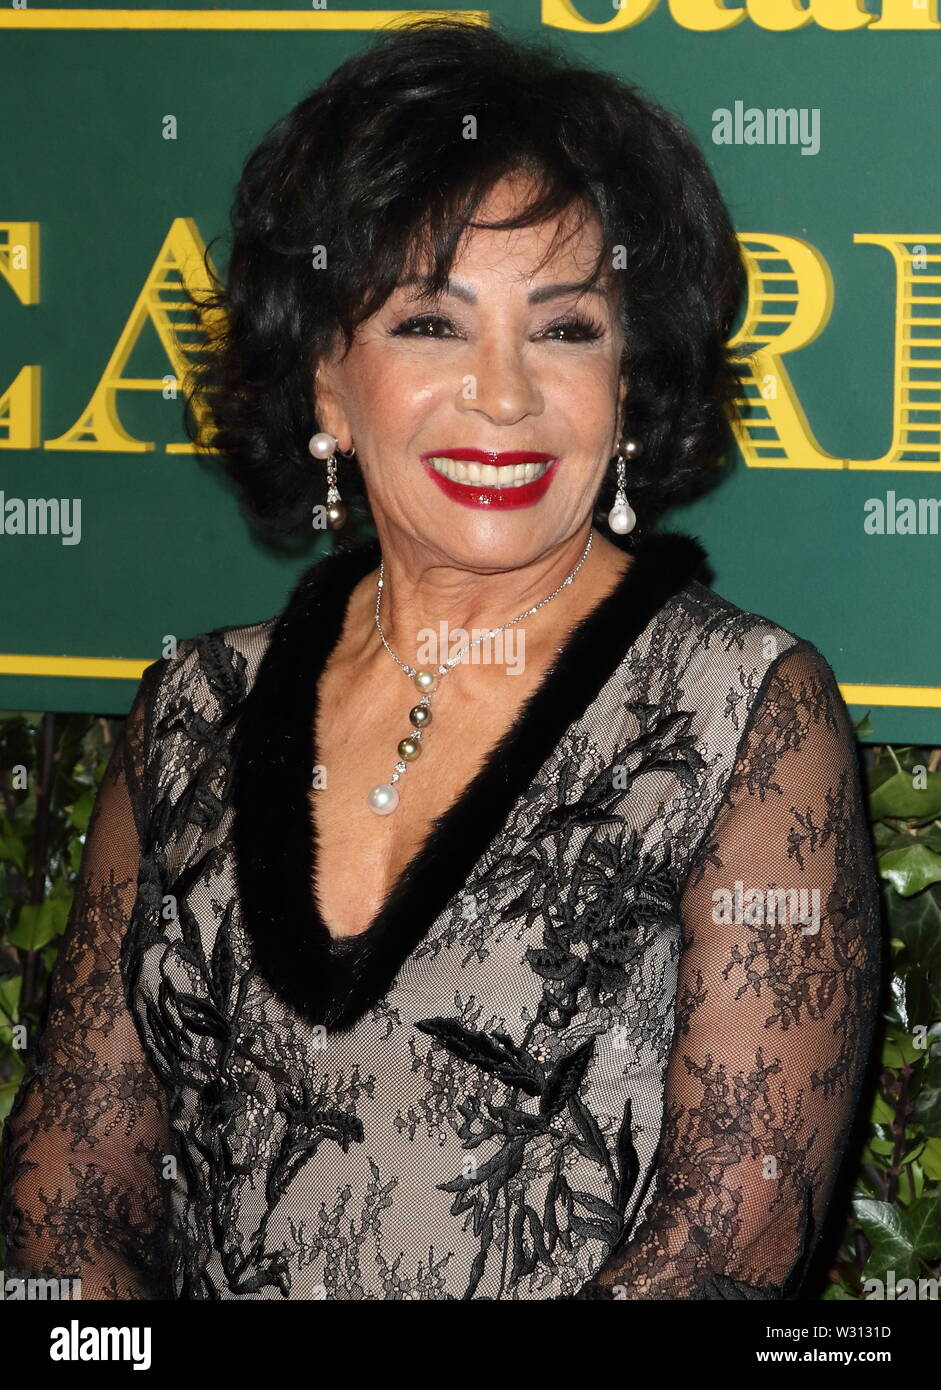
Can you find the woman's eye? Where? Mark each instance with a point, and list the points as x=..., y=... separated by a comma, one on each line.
x=576, y=330
x=417, y=326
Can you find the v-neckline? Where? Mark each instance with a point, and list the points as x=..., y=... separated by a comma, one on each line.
x=355, y=940
x=332, y=980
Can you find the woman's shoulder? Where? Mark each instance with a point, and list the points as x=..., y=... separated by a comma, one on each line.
x=679, y=636
x=721, y=633
x=214, y=663
x=188, y=696
x=217, y=668
x=726, y=660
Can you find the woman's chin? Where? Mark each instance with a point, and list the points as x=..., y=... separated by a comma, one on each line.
x=494, y=541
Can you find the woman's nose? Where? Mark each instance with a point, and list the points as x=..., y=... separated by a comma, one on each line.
x=501, y=384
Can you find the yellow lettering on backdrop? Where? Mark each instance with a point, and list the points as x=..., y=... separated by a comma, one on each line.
x=707, y=16
x=562, y=14
x=916, y=398
x=19, y=403
x=778, y=16
x=179, y=260
x=908, y=14
x=790, y=299
x=19, y=259
x=782, y=15
x=19, y=411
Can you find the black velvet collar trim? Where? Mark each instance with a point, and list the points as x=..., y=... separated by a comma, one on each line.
x=273, y=756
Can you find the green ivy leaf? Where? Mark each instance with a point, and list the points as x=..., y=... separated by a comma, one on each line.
x=839, y=1293
x=8, y=1090
x=892, y=1246
x=13, y=849
x=922, y=1224
x=896, y=798
x=899, y=1050
x=917, y=922
x=10, y=990
x=80, y=814
x=37, y=926
x=880, y=772
x=882, y=1112
x=915, y=1177
x=931, y=1159
x=886, y=836
x=910, y=870
x=926, y=1109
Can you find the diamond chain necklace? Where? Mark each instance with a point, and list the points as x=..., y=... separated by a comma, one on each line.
x=383, y=799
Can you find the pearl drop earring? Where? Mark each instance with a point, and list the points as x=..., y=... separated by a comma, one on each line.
x=324, y=446
x=621, y=517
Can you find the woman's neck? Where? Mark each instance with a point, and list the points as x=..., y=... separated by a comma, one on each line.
x=419, y=595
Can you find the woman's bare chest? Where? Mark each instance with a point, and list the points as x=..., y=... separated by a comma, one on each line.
x=361, y=855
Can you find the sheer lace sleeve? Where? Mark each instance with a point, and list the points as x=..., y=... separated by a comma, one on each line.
x=775, y=1007
x=83, y=1192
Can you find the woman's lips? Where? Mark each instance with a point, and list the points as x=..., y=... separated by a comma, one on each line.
x=526, y=476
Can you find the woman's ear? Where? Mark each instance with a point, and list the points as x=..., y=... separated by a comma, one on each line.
x=317, y=392
x=326, y=403
x=622, y=392
x=619, y=413
x=321, y=399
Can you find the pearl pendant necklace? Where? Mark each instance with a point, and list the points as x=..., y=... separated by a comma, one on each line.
x=384, y=798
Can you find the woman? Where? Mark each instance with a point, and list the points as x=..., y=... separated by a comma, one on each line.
x=396, y=972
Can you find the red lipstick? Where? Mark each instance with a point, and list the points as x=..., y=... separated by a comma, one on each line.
x=494, y=498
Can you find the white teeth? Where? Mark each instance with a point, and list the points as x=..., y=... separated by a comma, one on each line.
x=512, y=475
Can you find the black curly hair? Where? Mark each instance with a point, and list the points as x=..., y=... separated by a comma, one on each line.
x=372, y=167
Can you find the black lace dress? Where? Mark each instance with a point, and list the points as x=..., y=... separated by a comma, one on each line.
x=604, y=1039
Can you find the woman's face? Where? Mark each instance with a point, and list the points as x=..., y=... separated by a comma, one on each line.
x=508, y=360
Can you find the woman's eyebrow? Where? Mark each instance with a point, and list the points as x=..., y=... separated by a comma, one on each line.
x=537, y=296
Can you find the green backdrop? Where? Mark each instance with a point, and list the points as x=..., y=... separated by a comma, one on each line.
x=90, y=188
